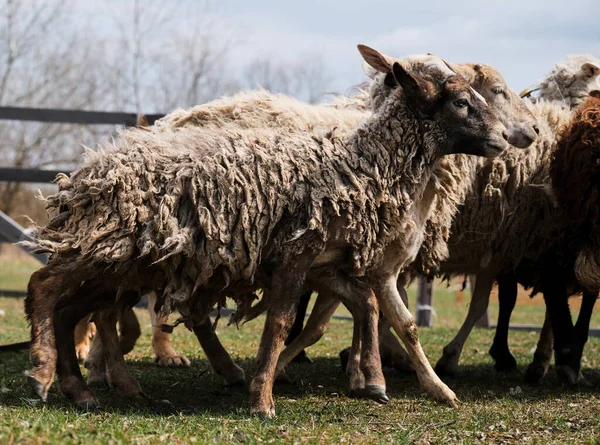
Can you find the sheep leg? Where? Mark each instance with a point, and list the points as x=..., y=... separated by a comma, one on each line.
x=355, y=375
x=96, y=364
x=84, y=331
x=286, y=287
x=507, y=298
x=315, y=327
x=68, y=311
x=161, y=343
x=404, y=325
x=301, y=356
x=448, y=363
x=542, y=357
x=391, y=351
x=370, y=361
x=563, y=331
x=218, y=357
x=117, y=373
x=365, y=310
x=41, y=293
x=129, y=331
x=582, y=327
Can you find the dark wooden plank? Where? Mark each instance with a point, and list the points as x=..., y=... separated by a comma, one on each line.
x=74, y=116
x=15, y=347
x=13, y=293
x=12, y=174
x=67, y=116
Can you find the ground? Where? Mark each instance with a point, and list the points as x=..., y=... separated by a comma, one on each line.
x=191, y=405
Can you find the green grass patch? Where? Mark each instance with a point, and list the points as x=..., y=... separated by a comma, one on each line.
x=192, y=406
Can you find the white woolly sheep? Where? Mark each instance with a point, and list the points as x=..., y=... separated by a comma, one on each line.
x=240, y=218
x=568, y=82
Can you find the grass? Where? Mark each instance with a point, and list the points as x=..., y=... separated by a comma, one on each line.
x=192, y=406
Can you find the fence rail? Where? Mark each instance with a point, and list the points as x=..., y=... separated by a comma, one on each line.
x=75, y=116
x=13, y=174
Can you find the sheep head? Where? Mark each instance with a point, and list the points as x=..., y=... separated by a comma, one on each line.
x=569, y=81
x=457, y=116
x=507, y=105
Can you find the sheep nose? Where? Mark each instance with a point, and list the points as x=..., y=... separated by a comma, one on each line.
x=536, y=129
x=505, y=135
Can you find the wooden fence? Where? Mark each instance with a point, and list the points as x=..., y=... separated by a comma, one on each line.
x=10, y=231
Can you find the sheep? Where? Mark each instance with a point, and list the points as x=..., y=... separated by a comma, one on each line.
x=305, y=227
x=245, y=110
x=248, y=108
x=507, y=280
x=569, y=81
x=568, y=260
x=242, y=109
x=488, y=272
x=454, y=177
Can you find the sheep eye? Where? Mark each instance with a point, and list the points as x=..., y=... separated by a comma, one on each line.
x=497, y=90
x=461, y=103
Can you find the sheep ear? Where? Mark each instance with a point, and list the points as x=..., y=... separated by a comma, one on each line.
x=375, y=59
x=413, y=85
x=590, y=70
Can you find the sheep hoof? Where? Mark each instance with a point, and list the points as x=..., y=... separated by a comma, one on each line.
x=535, y=373
x=233, y=376
x=82, y=350
x=376, y=393
x=302, y=358
x=344, y=357
x=446, y=367
x=89, y=406
x=265, y=413
x=40, y=388
x=504, y=359
x=567, y=375
x=509, y=364
x=441, y=392
x=582, y=381
x=173, y=361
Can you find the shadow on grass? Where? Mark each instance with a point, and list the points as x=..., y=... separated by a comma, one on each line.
x=196, y=390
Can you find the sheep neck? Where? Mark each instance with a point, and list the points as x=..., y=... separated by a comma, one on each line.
x=395, y=147
x=393, y=154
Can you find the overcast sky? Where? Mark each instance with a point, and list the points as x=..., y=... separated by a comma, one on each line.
x=522, y=38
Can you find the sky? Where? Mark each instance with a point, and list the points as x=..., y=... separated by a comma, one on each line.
x=523, y=39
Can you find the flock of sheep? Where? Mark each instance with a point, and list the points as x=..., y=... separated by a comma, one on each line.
x=431, y=168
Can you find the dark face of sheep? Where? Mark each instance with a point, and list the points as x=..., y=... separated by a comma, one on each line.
x=505, y=103
x=459, y=118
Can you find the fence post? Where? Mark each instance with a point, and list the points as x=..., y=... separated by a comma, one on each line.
x=424, y=301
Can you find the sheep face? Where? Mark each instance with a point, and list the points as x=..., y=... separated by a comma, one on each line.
x=458, y=117
x=507, y=105
x=569, y=82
